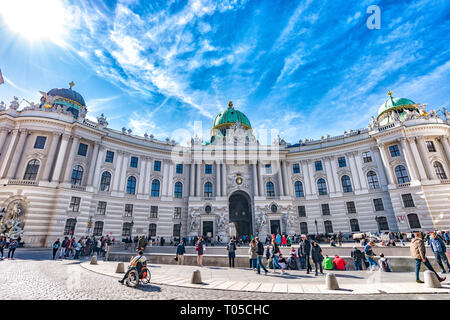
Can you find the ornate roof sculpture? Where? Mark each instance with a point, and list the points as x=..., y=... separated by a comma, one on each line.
x=72, y=100
x=396, y=108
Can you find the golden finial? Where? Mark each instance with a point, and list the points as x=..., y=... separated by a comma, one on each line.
x=390, y=93
x=71, y=84
x=230, y=104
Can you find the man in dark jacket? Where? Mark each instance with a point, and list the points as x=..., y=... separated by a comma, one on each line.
x=438, y=247
x=260, y=252
x=358, y=257
x=181, y=250
x=304, y=251
x=231, y=248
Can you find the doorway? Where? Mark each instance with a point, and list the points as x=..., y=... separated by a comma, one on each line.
x=208, y=229
x=275, y=227
x=240, y=213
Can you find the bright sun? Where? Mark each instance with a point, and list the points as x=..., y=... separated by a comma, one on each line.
x=35, y=19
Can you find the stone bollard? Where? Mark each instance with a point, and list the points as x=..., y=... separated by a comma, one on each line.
x=331, y=282
x=431, y=281
x=94, y=259
x=196, y=277
x=120, y=268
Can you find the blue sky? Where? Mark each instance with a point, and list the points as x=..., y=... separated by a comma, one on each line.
x=306, y=68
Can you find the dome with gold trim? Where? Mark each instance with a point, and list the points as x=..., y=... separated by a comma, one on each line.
x=65, y=97
x=398, y=105
x=229, y=117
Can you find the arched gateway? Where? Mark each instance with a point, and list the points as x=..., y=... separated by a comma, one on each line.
x=241, y=213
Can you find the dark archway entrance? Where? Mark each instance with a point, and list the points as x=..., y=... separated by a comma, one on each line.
x=240, y=213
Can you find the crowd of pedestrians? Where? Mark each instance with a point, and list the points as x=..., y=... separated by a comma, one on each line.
x=10, y=244
x=70, y=248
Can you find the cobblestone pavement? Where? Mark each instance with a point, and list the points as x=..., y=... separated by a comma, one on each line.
x=31, y=276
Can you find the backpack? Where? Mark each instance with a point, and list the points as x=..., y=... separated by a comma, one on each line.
x=385, y=266
x=231, y=247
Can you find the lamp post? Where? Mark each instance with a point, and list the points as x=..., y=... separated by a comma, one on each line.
x=131, y=230
x=317, y=229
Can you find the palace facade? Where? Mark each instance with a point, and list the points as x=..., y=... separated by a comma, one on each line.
x=62, y=174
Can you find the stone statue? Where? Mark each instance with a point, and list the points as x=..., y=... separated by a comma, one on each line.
x=11, y=226
x=14, y=104
x=124, y=130
x=2, y=106
x=102, y=120
x=194, y=218
x=145, y=136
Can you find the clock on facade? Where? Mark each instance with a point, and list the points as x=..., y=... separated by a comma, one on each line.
x=239, y=180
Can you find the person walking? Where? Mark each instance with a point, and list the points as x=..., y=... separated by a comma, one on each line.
x=369, y=255
x=181, y=250
x=418, y=252
x=304, y=251
x=142, y=243
x=252, y=254
x=12, y=248
x=231, y=248
x=317, y=257
x=62, y=251
x=439, y=249
x=275, y=254
x=2, y=246
x=56, y=246
x=260, y=253
x=358, y=257
x=200, y=248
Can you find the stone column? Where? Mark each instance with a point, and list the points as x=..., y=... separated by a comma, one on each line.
x=3, y=134
x=98, y=165
x=424, y=157
x=218, y=191
x=60, y=157
x=330, y=177
x=306, y=178
x=116, y=175
x=70, y=160
x=260, y=179
x=280, y=179
x=409, y=159
x=354, y=171
x=379, y=163
x=192, y=179
x=311, y=177
x=170, y=182
x=7, y=153
x=385, y=161
x=362, y=177
x=142, y=167
x=93, y=162
x=255, y=180
x=17, y=156
x=337, y=185
x=224, y=179
x=123, y=172
x=287, y=182
x=417, y=159
x=197, y=180
x=51, y=156
x=147, y=178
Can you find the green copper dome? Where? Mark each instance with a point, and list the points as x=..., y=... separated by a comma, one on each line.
x=230, y=117
x=395, y=103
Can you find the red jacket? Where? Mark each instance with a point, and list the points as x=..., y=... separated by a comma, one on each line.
x=339, y=263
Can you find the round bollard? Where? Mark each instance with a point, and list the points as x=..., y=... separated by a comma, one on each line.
x=94, y=259
x=120, y=268
x=331, y=282
x=431, y=281
x=196, y=277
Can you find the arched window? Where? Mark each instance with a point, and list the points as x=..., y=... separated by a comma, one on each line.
x=372, y=179
x=299, y=189
x=131, y=185
x=126, y=229
x=69, y=229
x=303, y=228
x=402, y=175
x=354, y=225
x=382, y=223
x=328, y=226
x=178, y=193
x=105, y=181
x=414, y=222
x=439, y=169
x=31, y=170
x=322, y=187
x=155, y=188
x=77, y=175
x=207, y=190
x=152, y=230
x=346, y=184
x=270, y=189
x=98, y=228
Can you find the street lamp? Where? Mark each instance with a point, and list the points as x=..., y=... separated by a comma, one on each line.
x=317, y=229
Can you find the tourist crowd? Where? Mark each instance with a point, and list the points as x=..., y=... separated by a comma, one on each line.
x=84, y=247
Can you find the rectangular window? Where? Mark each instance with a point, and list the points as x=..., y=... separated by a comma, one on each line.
x=101, y=207
x=430, y=146
x=179, y=168
x=408, y=201
x=395, y=152
x=152, y=230
x=208, y=168
x=325, y=209
x=318, y=165
x=378, y=203
x=351, y=208
x=40, y=142
x=109, y=156
x=177, y=230
x=177, y=213
x=366, y=157
x=342, y=163
x=82, y=149
x=296, y=168
x=134, y=162
x=128, y=210
x=157, y=166
x=268, y=168
x=153, y=212
x=301, y=211
x=74, y=205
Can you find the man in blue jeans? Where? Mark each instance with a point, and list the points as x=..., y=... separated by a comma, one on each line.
x=260, y=252
x=438, y=247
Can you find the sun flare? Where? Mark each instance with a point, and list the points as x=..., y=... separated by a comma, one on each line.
x=35, y=20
